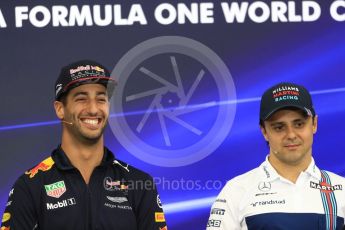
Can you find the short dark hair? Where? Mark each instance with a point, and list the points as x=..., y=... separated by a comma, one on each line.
x=63, y=98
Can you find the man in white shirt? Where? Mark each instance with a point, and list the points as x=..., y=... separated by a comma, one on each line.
x=287, y=191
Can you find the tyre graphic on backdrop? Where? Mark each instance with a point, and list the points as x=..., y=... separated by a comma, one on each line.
x=174, y=103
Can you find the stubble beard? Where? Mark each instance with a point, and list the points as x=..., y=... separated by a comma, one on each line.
x=85, y=137
x=292, y=159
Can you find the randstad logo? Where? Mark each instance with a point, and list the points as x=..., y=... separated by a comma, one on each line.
x=268, y=202
x=61, y=204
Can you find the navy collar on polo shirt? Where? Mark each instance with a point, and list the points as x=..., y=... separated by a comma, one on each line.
x=62, y=162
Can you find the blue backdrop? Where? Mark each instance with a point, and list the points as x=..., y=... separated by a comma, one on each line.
x=187, y=104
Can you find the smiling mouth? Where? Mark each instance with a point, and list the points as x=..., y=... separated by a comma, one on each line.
x=92, y=123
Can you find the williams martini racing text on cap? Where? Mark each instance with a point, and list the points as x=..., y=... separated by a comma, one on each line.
x=82, y=72
x=285, y=95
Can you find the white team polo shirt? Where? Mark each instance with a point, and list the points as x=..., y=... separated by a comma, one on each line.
x=262, y=199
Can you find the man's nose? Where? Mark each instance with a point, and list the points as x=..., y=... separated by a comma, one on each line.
x=291, y=132
x=92, y=107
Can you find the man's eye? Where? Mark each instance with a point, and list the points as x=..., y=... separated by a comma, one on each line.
x=278, y=128
x=80, y=99
x=299, y=124
x=102, y=99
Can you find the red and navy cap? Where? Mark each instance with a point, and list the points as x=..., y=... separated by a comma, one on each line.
x=80, y=73
x=284, y=95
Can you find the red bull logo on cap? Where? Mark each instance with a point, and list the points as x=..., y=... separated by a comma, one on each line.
x=97, y=68
x=43, y=166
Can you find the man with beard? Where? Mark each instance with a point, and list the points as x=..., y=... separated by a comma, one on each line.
x=287, y=191
x=81, y=185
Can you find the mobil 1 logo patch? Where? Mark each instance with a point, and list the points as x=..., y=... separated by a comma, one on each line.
x=61, y=204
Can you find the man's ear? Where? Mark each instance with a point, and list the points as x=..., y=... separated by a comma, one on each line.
x=59, y=109
x=263, y=131
x=315, y=124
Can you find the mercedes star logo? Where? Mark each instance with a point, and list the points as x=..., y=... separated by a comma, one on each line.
x=264, y=186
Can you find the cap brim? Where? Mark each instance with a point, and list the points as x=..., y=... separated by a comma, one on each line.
x=108, y=82
x=286, y=106
x=89, y=80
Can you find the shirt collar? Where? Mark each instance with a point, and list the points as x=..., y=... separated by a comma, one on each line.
x=62, y=162
x=270, y=174
x=313, y=170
